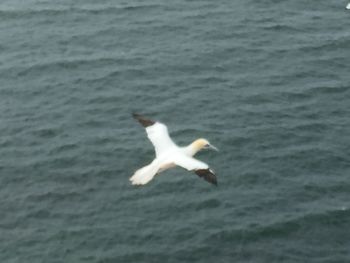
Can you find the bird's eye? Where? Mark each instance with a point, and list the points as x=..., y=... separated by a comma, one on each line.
x=207, y=145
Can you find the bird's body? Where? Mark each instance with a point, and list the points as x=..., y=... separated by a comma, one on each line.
x=169, y=155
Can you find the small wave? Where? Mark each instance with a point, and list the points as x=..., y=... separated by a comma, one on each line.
x=282, y=28
x=47, y=133
x=328, y=90
x=340, y=42
x=60, y=64
x=20, y=13
x=285, y=228
x=64, y=148
x=24, y=13
x=54, y=197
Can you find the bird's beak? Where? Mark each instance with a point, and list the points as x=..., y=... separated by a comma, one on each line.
x=213, y=147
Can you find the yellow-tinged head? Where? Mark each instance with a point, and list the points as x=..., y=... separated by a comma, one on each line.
x=200, y=144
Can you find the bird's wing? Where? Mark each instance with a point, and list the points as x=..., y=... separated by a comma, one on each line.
x=192, y=164
x=157, y=133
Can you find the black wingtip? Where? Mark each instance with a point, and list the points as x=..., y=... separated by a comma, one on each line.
x=143, y=120
x=207, y=175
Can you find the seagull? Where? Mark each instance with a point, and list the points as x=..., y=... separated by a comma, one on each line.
x=348, y=6
x=169, y=155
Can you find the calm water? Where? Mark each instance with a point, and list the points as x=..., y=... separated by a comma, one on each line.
x=267, y=82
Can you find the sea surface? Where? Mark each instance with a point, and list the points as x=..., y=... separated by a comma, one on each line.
x=267, y=82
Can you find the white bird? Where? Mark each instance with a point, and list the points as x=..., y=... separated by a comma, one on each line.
x=169, y=155
x=348, y=6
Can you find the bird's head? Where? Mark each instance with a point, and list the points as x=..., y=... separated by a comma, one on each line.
x=201, y=144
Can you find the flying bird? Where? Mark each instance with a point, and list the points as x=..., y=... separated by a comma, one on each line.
x=169, y=155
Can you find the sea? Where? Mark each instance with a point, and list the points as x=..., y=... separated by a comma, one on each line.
x=267, y=82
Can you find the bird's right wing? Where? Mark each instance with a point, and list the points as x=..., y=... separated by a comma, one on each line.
x=192, y=164
x=157, y=133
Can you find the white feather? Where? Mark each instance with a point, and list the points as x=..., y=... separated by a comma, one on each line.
x=159, y=136
x=187, y=162
x=144, y=175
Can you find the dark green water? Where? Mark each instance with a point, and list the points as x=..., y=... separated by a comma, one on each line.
x=267, y=82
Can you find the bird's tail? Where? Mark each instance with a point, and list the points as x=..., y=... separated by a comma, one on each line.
x=144, y=175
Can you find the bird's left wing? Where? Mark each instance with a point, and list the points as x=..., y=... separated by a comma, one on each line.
x=192, y=164
x=157, y=133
